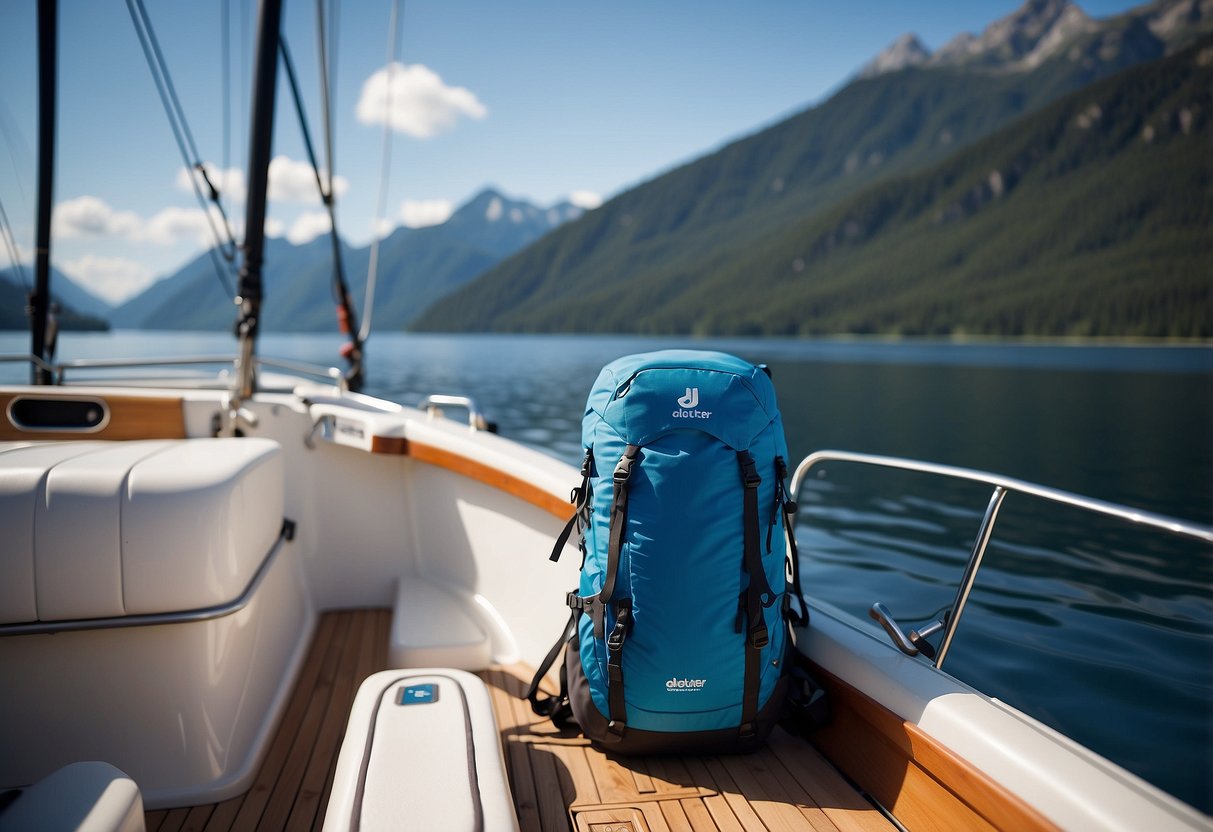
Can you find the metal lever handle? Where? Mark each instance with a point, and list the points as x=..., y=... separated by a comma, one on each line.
x=881, y=614
x=917, y=641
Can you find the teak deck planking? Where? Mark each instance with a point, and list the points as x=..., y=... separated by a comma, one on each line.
x=559, y=781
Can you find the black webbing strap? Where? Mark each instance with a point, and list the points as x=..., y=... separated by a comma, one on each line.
x=580, y=498
x=619, y=519
x=798, y=617
x=619, y=634
x=551, y=705
x=758, y=594
x=788, y=506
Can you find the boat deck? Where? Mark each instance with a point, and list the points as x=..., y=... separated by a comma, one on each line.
x=559, y=782
x=292, y=786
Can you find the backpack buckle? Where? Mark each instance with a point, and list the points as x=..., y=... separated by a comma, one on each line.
x=749, y=471
x=617, y=727
x=623, y=623
x=623, y=469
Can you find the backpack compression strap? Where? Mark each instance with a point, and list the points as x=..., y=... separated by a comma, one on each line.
x=758, y=594
x=580, y=498
x=619, y=518
x=623, y=607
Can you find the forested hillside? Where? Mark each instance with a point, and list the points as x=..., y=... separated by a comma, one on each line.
x=1087, y=216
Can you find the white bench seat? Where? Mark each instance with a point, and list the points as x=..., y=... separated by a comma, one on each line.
x=421, y=751
x=152, y=613
x=434, y=627
x=108, y=529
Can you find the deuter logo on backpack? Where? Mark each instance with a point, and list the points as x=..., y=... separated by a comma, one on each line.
x=677, y=685
x=687, y=404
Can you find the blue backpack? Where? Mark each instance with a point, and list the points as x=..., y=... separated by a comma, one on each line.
x=678, y=637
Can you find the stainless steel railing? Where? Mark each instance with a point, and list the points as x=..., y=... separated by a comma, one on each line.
x=1002, y=486
x=59, y=370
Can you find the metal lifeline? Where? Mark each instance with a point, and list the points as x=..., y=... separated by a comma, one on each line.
x=916, y=642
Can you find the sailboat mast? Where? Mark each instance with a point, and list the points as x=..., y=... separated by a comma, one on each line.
x=249, y=293
x=40, y=300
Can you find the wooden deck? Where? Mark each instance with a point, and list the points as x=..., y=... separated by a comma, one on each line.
x=559, y=782
x=292, y=786
x=562, y=782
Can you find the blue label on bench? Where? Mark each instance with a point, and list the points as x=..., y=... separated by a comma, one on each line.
x=418, y=695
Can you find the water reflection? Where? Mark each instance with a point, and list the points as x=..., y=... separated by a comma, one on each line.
x=1081, y=621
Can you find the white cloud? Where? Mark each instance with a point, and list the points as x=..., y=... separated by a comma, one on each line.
x=585, y=199
x=230, y=182
x=415, y=101
x=87, y=216
x=274, y=227
x=384, y=227
x=113, y=278
x=308, y=226
x=295, y=181
x=170, y=226
x=290, y=180
x=422, y=212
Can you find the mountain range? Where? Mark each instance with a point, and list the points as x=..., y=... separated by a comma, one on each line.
x=992, y=192
x=1045, y=176
x=78, y=308
x=416, y=267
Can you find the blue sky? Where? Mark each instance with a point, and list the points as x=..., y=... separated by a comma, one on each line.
x=542, y=100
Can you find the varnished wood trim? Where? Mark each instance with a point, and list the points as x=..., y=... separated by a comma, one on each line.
x=389, y=445
x=130, y=417
x=473, y=469
x=924, y=784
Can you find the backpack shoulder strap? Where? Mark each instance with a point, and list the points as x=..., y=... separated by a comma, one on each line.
x=556, y=707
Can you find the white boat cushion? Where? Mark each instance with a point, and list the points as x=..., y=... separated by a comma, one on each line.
x=421, y=751
x=23, y=468
x=198, y=520
x=78, y=532
x=433, y=627
x=85, y=797
x=103, y=529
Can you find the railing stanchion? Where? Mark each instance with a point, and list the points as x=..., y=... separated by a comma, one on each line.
x=970, y=574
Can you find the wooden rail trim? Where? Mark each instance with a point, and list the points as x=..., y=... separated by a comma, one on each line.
x=475, y=470
x=130, y=417
x=922, y=782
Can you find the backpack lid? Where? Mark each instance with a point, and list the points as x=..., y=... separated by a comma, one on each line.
x=644, y=396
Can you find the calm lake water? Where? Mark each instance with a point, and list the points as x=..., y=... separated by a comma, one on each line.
x=1097, y=629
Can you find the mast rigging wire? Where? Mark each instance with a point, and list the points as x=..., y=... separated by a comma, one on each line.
x=328, y=80
x=347, y=317
x=10, y=244
x=385, y=165
x=184, y=138
x=225, y=71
